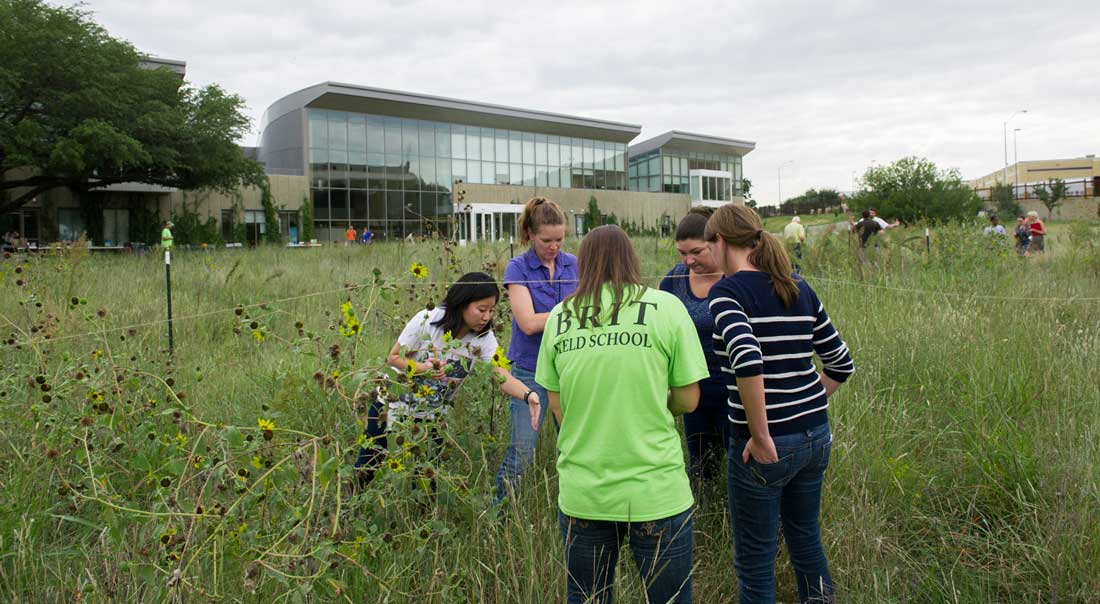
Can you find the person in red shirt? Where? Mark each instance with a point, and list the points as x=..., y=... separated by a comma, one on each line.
x=1038, y=233
x=350, y=236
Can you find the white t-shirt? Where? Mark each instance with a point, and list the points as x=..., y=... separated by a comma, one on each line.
x=425, y=341
x=882, y=223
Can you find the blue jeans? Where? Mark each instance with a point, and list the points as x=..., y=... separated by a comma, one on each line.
x=662, y=552
x=761, y=494
x=522, y=439
x=707, y=432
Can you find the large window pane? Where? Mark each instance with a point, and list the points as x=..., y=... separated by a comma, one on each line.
x=529, y=174
x=318, y=128
x=458, y=170
x=654, y=183
x=358, y=205
x=357, y=174
x=515, y=174
x=552, y=158
x=515, y=148
x=529, y=149
x=501, y=173
x=600, y=153
x=393, y=136
x=427, y=138
x=654, y=166
x=338, y=204
x=487, y=144
x=375, y=135
x=620, y=158
x=501, y=146
x=376, y=171
x=338, y=130
x=540, y=149
x=458, y=142
x=410, y=141
x=442, y=140
x=377, y=206
x=357, y=133
x=320, y=204
x=488, y=172
x=578, y=154
x=540, y=174
x=443, y=174
x=666, y=163
x=427, y=173
x=473, y=143
x=395, y=205
x=412, y=175
x=564, y=152
x=588, y=153
x=553, y=179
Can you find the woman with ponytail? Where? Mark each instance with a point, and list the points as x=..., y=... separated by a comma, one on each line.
x=537, y=280
x=768, y=324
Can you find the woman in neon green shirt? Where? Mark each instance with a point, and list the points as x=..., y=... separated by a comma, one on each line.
x=609, y=356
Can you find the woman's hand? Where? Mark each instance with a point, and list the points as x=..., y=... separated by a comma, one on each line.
x=761, y=449
x=535, y=405
x=436, y=367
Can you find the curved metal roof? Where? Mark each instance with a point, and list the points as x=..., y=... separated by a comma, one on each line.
x=687, y=141
x=364, y=99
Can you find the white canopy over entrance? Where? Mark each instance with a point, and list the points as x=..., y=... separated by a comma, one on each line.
x=487, y=221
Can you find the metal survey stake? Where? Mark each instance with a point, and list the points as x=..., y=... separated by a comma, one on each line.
x=928, y=240
x=168, y=289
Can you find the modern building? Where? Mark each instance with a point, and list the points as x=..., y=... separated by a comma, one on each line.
x=707, y=167
x=404, y=164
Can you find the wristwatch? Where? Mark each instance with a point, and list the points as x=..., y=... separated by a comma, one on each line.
x=527, y=396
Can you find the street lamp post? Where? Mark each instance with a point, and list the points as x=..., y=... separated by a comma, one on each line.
x=1015, y=161
x=779, y=180
x=1005, y=128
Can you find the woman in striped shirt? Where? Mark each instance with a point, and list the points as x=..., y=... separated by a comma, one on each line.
x=768, y=324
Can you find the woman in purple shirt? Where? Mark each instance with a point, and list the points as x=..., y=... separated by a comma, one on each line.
x=537, y=280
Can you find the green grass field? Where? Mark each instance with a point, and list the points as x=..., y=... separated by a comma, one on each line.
x=965, y=466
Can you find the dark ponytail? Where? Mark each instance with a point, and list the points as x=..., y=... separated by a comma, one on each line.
x=740, y=226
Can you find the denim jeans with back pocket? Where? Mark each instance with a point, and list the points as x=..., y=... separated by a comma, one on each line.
x=761, y=494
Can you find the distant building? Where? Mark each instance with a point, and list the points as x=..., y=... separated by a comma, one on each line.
x=1081, y=175
x=404, y=163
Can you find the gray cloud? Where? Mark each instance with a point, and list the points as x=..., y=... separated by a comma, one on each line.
x=831, y=86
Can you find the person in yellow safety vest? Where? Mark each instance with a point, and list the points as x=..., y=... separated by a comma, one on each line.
x=794, y=234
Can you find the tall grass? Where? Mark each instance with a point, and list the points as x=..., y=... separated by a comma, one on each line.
x=964, y=468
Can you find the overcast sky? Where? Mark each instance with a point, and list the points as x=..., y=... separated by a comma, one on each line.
x=831, y=86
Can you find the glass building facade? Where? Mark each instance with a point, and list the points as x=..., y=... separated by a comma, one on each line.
x=396, y=175
x=668, y=170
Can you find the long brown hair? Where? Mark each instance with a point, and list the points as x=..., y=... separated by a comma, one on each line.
x=539, y=211
x=740, y=226
x=606, y=256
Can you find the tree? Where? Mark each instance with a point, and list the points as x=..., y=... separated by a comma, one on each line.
x=913, y=188
x=78, y=110
x=593, y=217
x=811, y=200
x=746, y=192
x=1052, y=193
x=1004, y=200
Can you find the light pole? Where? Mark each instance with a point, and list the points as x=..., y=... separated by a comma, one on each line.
x=1015, y=161
x=1005, y=128
x=779, y=180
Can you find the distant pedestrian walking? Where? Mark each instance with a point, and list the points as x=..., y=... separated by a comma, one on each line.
x=367, y=236
x=350, y=236
x=995, y=227
x=794, y=234
x=166, y=240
